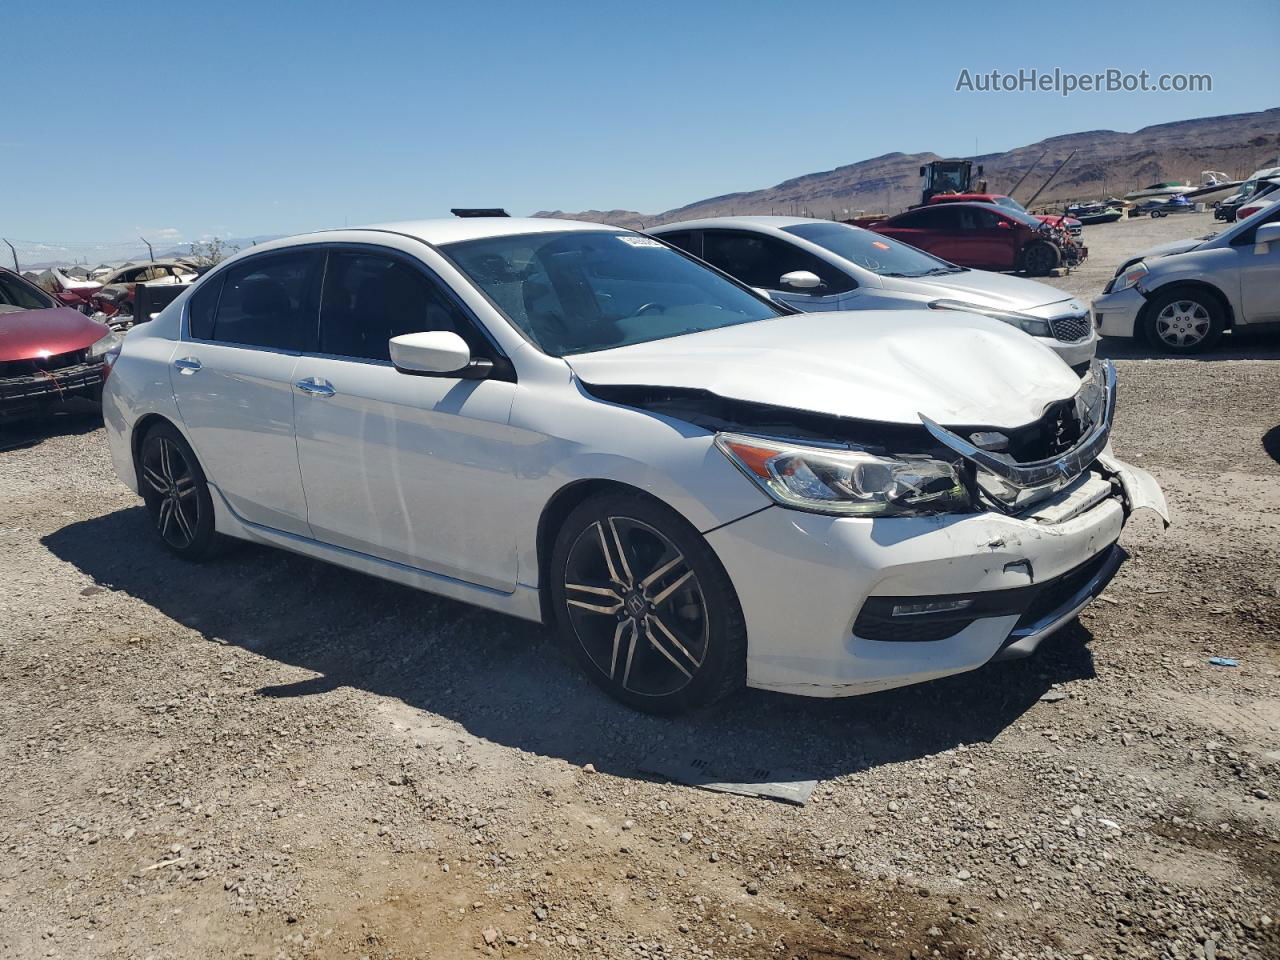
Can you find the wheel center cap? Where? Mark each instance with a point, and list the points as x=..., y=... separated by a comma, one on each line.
x=636, y=604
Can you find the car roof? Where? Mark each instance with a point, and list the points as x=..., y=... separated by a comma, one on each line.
x=455, y=229
x=709, y=223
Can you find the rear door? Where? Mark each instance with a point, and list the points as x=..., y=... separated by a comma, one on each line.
x=986, y=239
x=929, y=228
x=233, y=380
x=399, y=466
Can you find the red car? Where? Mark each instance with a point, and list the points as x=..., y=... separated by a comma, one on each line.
x=984, y=236
x=1073, y=226
x=48, y=352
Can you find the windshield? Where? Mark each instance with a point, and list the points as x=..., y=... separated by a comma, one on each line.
x=17, y=294
x=1011, y=203
x=578, y=291
x=879, y=254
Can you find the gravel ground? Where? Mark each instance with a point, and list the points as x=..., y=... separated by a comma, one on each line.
x=268, y=757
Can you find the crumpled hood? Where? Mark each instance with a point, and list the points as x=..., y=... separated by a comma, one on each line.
x=882, y=365
x=989, y=289
x=25, y=334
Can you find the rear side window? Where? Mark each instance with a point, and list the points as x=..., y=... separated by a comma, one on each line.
x=941, y=217
x=270, y=301
x=201, y=309
x=368, y=299
x=687, y=240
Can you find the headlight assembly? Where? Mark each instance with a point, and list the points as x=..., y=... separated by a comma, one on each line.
x=1129, y=278
x=846, y=482
x=108, y=344
x=1024, y=322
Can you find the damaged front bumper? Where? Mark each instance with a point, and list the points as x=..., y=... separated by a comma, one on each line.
x=999, y=583
x=27, y=392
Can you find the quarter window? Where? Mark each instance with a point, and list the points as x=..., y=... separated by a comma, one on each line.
x=368, y=299
x=761, y=261
x=270, y=301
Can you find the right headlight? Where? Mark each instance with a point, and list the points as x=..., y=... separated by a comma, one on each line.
x=1024, y=322
x=846, y=482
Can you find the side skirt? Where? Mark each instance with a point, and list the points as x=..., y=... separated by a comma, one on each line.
x=523, y=602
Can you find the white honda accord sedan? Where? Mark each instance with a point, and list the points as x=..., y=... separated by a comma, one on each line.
x=581, y=425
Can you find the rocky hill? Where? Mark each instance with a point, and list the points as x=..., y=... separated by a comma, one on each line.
x=1105, y=162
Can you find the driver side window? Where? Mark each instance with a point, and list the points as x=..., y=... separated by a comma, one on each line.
x=370, y=298
x=761, y=261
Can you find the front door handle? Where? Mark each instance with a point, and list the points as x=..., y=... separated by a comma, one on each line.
x=315, y=387
x=187, y=365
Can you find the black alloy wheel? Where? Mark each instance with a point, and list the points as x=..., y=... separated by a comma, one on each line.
x=646, y=605
x=176, y=493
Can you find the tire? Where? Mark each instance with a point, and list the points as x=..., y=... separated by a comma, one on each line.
x=1184, y=320
x=176, y=494
x=645, y=605
x=1039, y=258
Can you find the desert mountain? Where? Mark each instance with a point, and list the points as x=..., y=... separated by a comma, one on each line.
x=1105, y=162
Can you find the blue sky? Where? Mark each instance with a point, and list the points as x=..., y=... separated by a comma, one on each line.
x=233, y=118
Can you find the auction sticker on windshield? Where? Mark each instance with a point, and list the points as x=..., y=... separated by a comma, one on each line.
x=642, y=242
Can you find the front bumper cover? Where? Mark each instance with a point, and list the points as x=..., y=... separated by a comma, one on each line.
x=29, y=390
x=1116, y=314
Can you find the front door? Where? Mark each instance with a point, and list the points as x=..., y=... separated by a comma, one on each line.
x=399, y=466
x=1259, y=278
x=233, y=379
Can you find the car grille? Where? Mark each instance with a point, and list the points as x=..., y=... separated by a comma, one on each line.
x=1053, y=434
x=34, y=365
x=1071, y=329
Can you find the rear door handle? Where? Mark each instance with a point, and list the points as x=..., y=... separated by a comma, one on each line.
x=315, y=387
x=187, y=365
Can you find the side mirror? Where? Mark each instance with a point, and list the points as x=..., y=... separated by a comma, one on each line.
x=433, y=353
x=1265, y=235
x=800, y=280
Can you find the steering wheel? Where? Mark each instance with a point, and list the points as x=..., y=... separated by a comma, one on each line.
x=651, y=307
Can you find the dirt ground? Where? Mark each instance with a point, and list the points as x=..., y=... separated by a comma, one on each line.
x=269, y=757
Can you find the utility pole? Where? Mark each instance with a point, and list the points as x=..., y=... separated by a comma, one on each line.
x=15, y=257
x=151, y=254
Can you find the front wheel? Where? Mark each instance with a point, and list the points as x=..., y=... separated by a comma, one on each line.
x=1041, y=258
x=1184, y=320
x=646, y=606
x=176, y=493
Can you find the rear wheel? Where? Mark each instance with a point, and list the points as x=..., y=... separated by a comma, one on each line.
x=176, y=493
x=1184, y=320
x=646, y=606
x=1041, y=258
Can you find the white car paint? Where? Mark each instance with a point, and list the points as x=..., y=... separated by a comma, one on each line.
x=440, y=482
x=876, y=291
x=1243, y=274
